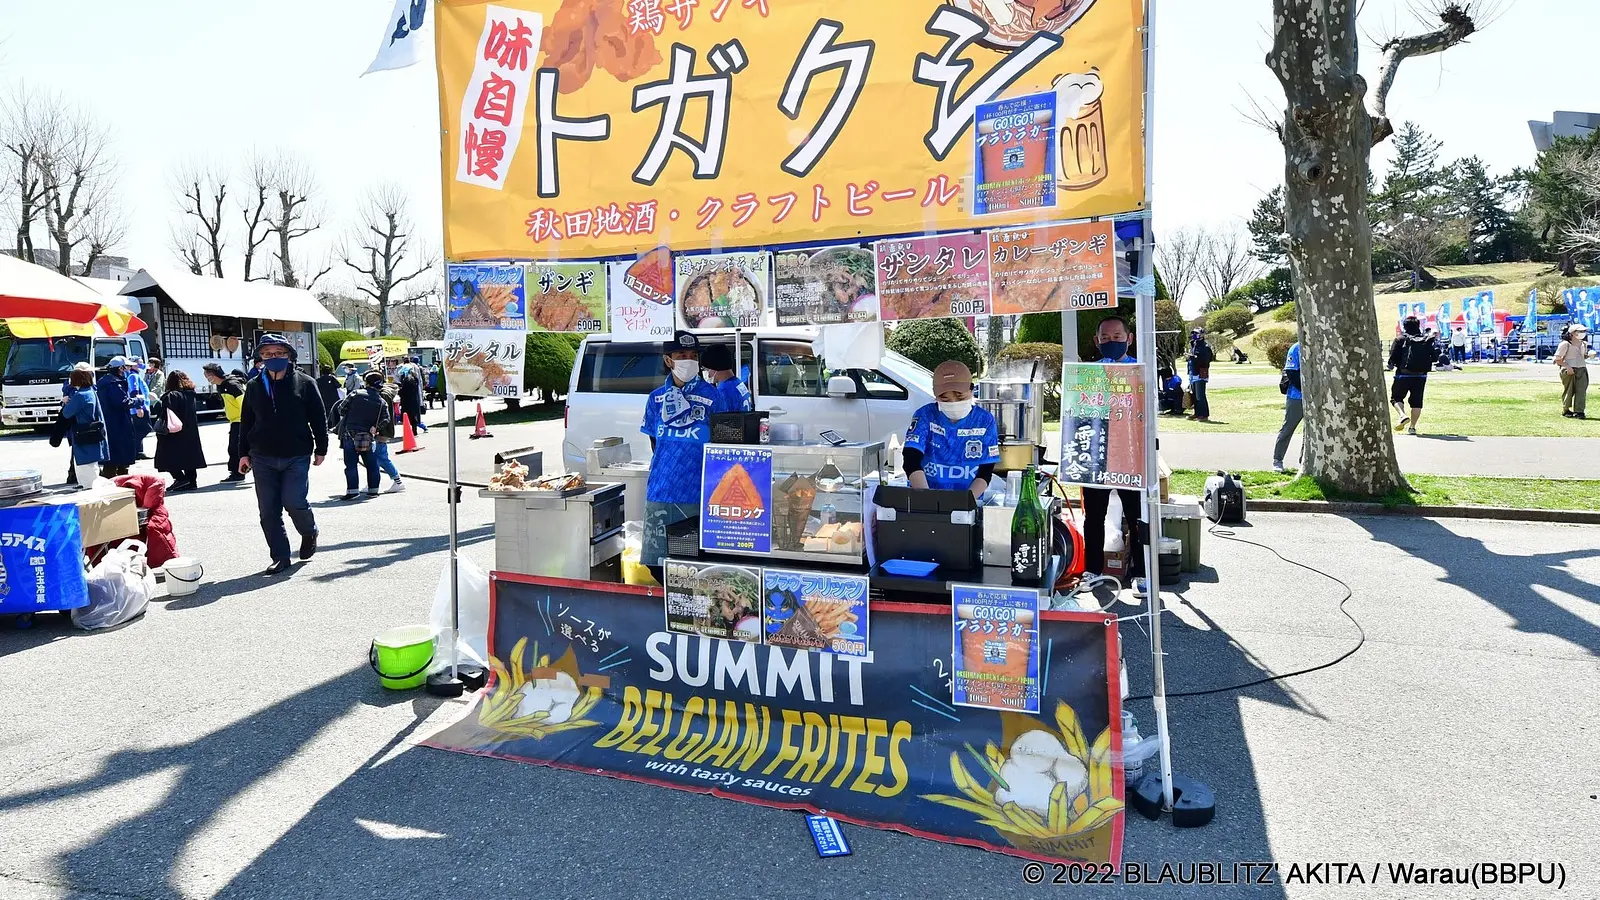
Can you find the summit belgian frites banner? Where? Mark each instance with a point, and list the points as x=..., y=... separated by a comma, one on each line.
x=588, y=128
x=587, y=677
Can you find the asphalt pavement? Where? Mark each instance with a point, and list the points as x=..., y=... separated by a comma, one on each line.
x=233, y=744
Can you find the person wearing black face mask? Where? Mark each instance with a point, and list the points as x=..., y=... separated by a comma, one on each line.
x=283, y=433
x=1113, y=340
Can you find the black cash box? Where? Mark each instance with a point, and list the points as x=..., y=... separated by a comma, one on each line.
x=736, y=428
x=941, y=527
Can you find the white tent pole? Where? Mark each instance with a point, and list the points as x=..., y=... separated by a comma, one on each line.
x=1147, y=356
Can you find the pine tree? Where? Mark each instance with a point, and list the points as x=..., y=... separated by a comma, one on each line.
x=1412, y=215
x=1480, y=201
x=1269, y=243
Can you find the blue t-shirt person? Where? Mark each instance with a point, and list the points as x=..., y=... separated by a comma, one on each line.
x=735, y=396
x=1291, y=363
x=678, y=419
x=953, y=452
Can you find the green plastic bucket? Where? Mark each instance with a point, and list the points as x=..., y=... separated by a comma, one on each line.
x=401, y=656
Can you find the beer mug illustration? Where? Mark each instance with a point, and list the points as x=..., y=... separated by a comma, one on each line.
x=1083, y=131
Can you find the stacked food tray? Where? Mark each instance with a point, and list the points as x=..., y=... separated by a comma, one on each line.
x=20, y=483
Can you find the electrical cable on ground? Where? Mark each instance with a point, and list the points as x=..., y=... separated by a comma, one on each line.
x=1361, y=641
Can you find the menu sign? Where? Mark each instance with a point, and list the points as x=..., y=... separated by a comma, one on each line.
x=814, y=611
x=1052, y=268
x=569, y=297
x=634, y=316
x=1102, y=425
x=722, y=290
x=736, y=500
x=487, y=298
x=933, y=277
x=835, y=286
x=1015, y=160
x=714, y=601
x=996, y=648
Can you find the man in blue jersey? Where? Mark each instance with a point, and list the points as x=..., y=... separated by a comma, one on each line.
x=717, y=361
x=1294, y=408
x=677, y=419
x=954, y=444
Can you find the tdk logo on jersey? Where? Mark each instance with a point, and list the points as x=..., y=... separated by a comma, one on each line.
x=975, y=449
x=951, y=473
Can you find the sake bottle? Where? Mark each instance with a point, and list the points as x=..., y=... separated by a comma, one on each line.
x=1029, y=553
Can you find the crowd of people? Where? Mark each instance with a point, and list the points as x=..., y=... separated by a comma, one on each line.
x=279, y=426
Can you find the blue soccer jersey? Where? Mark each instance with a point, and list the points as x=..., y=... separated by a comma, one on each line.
x=952, y=452
x=679, y=419
x=735, y=396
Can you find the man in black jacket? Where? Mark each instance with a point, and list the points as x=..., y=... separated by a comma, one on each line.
x=284, y=433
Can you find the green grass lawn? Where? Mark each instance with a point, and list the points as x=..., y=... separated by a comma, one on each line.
x=1474, y=407
x=527, y=412
x=1426, y=490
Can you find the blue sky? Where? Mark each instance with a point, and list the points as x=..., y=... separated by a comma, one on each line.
x=202, y=79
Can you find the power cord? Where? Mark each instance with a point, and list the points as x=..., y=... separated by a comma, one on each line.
x=1227, y=534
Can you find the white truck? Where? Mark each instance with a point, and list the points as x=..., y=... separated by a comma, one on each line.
x=36, y=368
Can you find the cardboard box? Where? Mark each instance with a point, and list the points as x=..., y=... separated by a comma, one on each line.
x=105, y=515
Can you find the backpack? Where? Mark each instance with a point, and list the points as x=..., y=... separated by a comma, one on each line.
x=1418, y=357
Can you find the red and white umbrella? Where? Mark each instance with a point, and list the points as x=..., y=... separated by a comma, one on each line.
x=28, y=291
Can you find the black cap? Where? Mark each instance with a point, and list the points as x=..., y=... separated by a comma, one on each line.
x=683, y=340
x=717, y=357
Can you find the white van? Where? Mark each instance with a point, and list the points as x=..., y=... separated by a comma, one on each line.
x=783, y=370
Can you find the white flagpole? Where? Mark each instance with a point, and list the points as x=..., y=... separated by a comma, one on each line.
x=1147, y=355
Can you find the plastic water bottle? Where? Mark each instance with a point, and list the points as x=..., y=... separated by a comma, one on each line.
x=829, y=513
x=1133, y=769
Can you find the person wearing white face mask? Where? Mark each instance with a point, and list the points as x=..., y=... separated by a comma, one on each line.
x=954, y=444
x=677, y=419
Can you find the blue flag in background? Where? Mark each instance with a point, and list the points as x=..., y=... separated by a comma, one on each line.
x=1532, y=322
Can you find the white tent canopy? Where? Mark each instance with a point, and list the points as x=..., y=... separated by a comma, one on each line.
x=199, y=295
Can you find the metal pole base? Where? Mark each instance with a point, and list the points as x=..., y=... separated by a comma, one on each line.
x=1193, y=803
x=443, y=684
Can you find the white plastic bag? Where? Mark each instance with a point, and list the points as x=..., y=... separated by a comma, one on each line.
x=472, y=588
x=1114, y=524
x=120, y=588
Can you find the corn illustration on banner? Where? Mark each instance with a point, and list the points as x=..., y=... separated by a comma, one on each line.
x=586, y=677
x=601, y=128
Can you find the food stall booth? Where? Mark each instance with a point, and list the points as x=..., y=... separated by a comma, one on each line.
x=823, y=637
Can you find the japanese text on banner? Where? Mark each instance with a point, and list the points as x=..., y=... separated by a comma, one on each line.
x=790, y=121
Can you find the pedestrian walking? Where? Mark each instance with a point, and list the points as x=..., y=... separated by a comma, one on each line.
x=380, y=448
x=357, y=420
x=83, y=426
x=329, y=386
x=1411, y=356
x=1572, y=357
x=112, y=392
x=409, y=378
x=352, y=381
x=1294, y=409
x=178, y=453
x=141, y=394
x=231, y=387
x=284, y=429
x=1200, y=358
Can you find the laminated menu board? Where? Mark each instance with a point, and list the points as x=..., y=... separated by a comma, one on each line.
x=1014, y=163
x=816, y=611
x=568, y=297
x=933, y=277
x=714, y=600
x=834, y=286
x=996, y=648
x=1051, y=268
x=1102, y=424
x=722, y=290
x=487, y=298
x=736, y=500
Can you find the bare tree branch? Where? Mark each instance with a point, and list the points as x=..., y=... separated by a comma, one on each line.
x=293, y=213
x=1178, y=257
x=29, y=127
x=381, y=253
x=79, y=174
x=254, y=213
x=1224, y=261
x=202, y=190
x=1457, y=27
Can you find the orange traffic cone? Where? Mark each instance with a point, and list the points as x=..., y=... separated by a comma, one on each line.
x=481, y=429
x=408, y=437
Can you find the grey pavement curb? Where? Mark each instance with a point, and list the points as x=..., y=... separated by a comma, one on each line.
x=1557, y=516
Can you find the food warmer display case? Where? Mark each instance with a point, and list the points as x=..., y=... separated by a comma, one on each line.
x=816, y=502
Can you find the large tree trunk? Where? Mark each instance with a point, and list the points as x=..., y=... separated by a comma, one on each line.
x=1327, y=136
